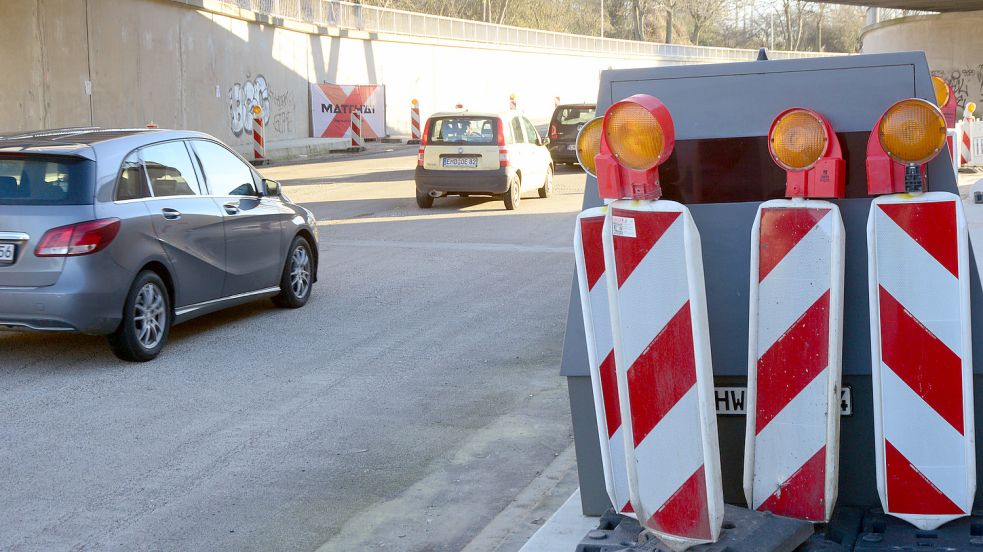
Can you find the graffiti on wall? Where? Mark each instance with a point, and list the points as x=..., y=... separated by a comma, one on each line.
x=243, y=96
x=967, y=83
x=276, y=107
x=281, y=117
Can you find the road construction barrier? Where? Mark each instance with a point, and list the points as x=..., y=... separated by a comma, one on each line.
x=259, y=140
x=795, y=326
x=358, y=143
x=654, y=267
x=794, y=358
x=415, y=132
x=512, y=102
x=965, y=144
x=918, y=247
x=971, y=149
x=589, y=253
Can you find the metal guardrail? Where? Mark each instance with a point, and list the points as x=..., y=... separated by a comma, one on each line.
x=349, y=15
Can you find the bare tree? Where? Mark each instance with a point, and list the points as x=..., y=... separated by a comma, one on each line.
x=703, y=14
x=793, y=18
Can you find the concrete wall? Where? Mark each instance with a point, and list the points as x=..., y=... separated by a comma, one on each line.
x=112, y=63
x=952, y=42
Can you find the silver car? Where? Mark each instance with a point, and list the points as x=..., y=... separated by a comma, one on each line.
x=126, y=232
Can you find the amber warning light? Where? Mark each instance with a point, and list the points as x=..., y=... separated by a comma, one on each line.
x=911, y=133
x=637, y=136
x=802, y=142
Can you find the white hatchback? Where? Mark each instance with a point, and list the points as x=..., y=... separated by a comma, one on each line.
x=497, y=154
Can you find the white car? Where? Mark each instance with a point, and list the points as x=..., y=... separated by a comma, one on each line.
x=496, y=154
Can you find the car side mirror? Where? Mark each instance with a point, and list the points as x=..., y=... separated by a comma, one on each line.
x=272, y=187
x=544, y=141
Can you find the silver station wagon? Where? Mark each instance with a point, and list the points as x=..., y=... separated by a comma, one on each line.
x=125, y=232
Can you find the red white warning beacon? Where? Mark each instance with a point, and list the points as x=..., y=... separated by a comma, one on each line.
x=918, y=255
x=589, y=253
x=796, y=326
x=654, y=270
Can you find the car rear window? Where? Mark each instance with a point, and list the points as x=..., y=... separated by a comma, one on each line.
x=463, y=130
x=574, y=115
x=46, y=180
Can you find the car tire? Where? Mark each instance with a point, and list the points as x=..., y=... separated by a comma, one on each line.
x=514, y=194
x=547, y=189
x=424, y=201
x=147, y=318
x=296, y=282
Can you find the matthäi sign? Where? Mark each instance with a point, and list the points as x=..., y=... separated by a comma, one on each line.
x=332, y=106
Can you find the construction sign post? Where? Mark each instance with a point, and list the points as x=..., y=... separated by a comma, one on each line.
x=660, y=335
x=918, y=264
x=796, y=327
x=589, y=253
x=332, y=106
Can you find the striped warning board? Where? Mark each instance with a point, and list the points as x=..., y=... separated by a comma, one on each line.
x=658, y=311
x=965, y=147
x=794, y=352
x=918, y=248
x=600, y=354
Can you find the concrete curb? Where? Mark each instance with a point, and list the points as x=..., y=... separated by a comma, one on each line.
x=518, y=514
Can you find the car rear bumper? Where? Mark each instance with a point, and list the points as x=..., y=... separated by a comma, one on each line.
x=476, y=182
x=562, y=154
x=76, y=302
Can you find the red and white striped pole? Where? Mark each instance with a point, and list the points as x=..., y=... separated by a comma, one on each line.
x=512, y=102
x=920, y=334
x=589, y=253
x=965, y=145
x=794, y=358
x=653, y=266
x=795, y=328
x=415, y=132
x=357, y=140
x=922, y=360
x=259, y=140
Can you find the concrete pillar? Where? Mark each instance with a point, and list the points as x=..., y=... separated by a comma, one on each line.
x=873, y=16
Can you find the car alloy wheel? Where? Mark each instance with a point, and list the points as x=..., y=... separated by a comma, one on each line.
x=150, y=316
x=300, y=272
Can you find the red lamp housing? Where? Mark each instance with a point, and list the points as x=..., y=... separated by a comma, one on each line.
x=637, y=136
x=915, y=130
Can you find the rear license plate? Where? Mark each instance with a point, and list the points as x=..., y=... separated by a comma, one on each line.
x=731, y=401
x=459, y=162
x=8, y=252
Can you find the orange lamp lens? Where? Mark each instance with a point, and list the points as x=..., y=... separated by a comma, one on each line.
x=941, y=91
x=635, y=137
x=798, y=140
x=912, y=132
x=589, y=144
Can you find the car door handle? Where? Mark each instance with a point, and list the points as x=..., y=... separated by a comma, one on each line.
x=231, y=207
x=171, y=214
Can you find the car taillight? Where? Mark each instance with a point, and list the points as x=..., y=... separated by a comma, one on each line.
x=423, y=144
x=503, y=157
x=553, y=134
x=73, y=240
x=501, y=134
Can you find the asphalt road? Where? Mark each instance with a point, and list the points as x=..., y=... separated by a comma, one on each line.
x=405, y=407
